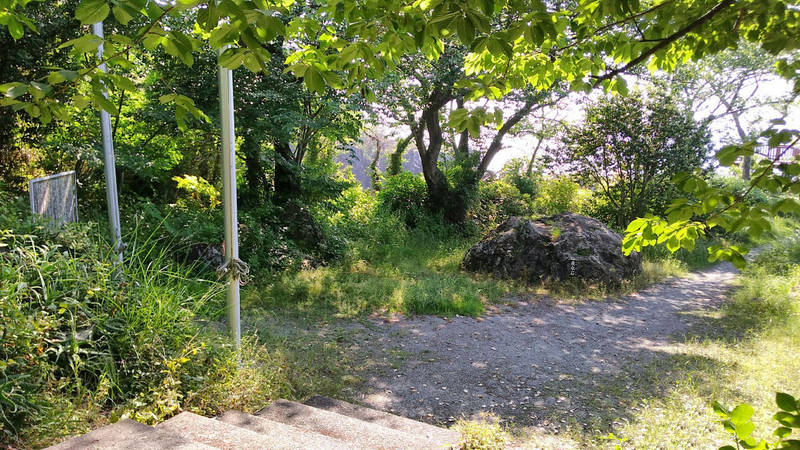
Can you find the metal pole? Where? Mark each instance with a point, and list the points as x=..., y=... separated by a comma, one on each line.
x=229, y=200
x=110, y=166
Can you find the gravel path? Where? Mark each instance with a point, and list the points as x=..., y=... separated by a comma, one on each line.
x=522, y=361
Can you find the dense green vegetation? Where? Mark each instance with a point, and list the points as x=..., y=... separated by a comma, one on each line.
x=456, y=84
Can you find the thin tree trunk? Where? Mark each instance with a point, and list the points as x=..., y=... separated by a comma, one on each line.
x=529, y=170
x=254, y=172
x=747, y=161
x=287, y=176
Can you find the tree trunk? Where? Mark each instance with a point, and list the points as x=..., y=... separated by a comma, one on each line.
x=497, y=142
x=255, y=189
x=287, y=174
x=441, y=198
x=374, y=174
x=529, y=170
x=747, y=161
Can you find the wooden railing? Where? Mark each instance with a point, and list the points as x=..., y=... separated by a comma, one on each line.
x=787, y=153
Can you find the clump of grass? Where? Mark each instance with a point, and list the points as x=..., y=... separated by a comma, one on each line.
x=418, y=272
x=86, y=341
x=410, y=273
x=486, y=433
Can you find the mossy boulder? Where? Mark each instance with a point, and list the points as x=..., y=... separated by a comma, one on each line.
x=565, y=246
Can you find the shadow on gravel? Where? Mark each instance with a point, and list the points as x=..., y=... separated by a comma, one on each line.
x=543, y=364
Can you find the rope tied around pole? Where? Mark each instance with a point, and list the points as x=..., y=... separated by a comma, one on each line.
x=238, y=269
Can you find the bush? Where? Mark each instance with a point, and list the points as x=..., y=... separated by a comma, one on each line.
x=483, y=434
x=406, y=195
x=558, y=195
x=515, y=172
x=633, y=146
x=80, y=333
x=497, y=201
x=736, y=187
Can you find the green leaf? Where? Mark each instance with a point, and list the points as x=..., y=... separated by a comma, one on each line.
x=90, y=12
x=742, y=413
x=168, y=98
x=787, y=419
x=786, y=402
x=739, y=262
x=744, y=430
x=790, y=445
x=231, y=58
x=251, y=63
x=123, y=83
x=314, y=81
x=102, y=102
x=465, y=30
x=783, y=432
x=752, y=444
x=14, y=90
x=15, y=28
x=122, y=14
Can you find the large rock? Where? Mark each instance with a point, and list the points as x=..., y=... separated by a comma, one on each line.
x=560, y=247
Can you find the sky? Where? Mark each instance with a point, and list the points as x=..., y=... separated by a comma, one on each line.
x=722, y=130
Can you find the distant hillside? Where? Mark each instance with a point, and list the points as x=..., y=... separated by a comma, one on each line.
x=359, y=159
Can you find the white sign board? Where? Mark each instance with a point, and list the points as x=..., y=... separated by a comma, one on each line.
x=55, y=197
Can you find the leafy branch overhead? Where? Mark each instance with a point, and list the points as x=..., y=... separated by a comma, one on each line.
x=706, y=207
x=539, y=44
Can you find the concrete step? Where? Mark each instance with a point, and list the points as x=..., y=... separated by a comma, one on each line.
x=345, y=428
x=278, y=432
x=437, y=434
x=128, y=434
x=222, y=435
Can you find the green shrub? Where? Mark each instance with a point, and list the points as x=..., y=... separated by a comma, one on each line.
x=200, y=193
x=483, y=434
x=406, y=195
x=736, y=187
x=182, y=223
x=558, y=195
x=497, y=201
x=515, y=173
x=83, y=337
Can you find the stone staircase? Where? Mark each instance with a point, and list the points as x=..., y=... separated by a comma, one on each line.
x=319, y=423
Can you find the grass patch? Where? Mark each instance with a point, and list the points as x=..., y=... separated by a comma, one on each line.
x=415, y=274
x=418, y=272
x=486, y=433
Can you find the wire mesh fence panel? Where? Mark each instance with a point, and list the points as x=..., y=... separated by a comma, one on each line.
x=55, y=197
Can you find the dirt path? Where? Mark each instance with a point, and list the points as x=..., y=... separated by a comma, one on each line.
x=532, y=363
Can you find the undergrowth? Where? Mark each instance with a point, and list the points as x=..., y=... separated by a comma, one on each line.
x=389, y=270
x=392, y=269
x=85, y=341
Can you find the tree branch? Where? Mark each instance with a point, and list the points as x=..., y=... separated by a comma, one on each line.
x=667, y=41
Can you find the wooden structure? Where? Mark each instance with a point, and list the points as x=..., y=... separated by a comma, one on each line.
x=55, y=197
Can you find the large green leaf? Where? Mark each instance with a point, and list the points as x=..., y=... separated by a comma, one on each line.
x=90, y=12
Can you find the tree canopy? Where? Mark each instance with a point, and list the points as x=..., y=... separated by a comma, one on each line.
x=632, y=147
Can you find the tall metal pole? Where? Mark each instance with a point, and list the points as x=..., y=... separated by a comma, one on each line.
x=229, y=201
x=108, y=157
